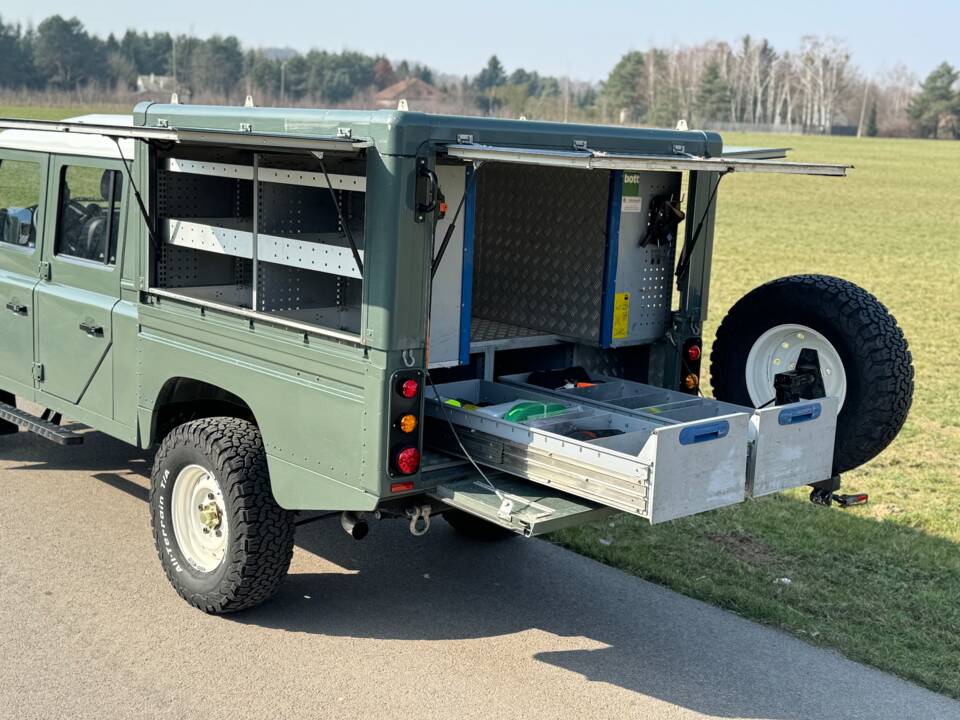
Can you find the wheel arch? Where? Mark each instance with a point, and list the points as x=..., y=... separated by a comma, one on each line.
x=181, y=399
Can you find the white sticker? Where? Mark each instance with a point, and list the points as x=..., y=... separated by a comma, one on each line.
x=632, y=201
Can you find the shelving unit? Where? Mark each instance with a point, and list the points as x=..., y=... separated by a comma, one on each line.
x=261, y=235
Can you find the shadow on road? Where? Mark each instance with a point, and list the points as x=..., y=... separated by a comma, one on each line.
x=440, y=587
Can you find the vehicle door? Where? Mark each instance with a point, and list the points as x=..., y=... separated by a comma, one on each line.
x=23, y=177
x=80, y=282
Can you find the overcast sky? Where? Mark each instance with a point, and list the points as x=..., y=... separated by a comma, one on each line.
x=559, y=37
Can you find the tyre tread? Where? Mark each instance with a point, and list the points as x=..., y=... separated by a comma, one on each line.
x=263, y=530
x=884, y=358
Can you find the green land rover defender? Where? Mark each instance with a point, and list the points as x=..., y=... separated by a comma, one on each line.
x=393, y=314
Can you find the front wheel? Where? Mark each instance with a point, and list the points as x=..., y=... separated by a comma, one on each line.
x=863, y=355
x=224, y=543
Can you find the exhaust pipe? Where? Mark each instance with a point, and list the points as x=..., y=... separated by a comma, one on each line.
x=354, y=525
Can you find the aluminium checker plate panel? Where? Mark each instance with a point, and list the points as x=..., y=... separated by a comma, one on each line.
x=539, y=248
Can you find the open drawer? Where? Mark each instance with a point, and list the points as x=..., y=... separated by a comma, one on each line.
x=790, y=445
x=650, y=467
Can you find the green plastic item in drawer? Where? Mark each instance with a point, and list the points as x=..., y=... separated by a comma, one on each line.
x=528, y=409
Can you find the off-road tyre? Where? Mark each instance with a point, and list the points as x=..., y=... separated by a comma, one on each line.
x=8, y=428
x=871, y=346
x=260, y=536
x=474, y=528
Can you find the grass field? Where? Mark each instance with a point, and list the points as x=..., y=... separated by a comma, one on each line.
x=880, y=583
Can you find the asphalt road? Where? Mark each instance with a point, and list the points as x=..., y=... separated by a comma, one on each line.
x=393, y=626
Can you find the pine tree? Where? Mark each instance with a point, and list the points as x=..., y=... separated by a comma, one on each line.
x=713, y=95
x=624, y=88
x=937, y=106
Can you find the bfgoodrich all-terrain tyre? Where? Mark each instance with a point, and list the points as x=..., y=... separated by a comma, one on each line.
x=863, y=355
x=224, y=542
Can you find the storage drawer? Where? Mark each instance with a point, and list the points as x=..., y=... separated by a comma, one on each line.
x=652, y=467
x=790, y=445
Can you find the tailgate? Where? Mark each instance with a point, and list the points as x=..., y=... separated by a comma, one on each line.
x=524, y=507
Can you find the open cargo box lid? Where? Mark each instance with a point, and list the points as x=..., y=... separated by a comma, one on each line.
x=738, y=160
x=235, y=138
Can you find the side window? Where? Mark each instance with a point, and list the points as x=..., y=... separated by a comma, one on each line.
x=19, y=197
x=89, y=215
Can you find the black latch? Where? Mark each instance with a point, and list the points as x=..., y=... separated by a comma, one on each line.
x=804, y=382
x=428, y=189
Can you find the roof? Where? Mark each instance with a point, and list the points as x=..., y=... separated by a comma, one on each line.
x=72, y=144
x=411, y=88
x=393, y=132
x=396, y=132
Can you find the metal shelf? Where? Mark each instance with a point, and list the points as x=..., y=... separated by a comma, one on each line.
x=353, y=183
x=230, y=236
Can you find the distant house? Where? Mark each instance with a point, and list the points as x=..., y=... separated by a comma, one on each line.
x=412, y=89
x=156, y=83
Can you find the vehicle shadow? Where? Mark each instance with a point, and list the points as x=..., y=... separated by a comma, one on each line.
x=393, y=586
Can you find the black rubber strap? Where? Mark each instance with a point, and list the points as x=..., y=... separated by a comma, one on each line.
x=684, y=264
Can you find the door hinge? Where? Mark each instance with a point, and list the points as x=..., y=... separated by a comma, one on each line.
x=38, y=372
x=44, y=270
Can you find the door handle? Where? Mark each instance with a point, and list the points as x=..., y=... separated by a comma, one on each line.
x=91, y=329
x=17, y=308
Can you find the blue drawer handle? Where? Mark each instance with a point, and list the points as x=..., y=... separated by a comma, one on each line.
x=794, y=415
x=704, y=433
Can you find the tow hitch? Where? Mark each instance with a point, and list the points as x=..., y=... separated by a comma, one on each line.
x=419, y=519
x=806, y=382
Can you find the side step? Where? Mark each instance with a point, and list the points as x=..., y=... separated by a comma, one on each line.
x=39, y=426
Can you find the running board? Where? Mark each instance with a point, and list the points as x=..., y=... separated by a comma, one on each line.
x=39, y=426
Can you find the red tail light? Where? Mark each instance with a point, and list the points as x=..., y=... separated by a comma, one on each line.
x=409, y=388
x=408, y=460
x=693, y=352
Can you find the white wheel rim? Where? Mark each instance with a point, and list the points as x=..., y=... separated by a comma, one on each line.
x=777, y=350
x=199, y=518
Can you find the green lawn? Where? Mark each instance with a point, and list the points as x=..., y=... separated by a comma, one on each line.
x=59, y=112
x=880, y=583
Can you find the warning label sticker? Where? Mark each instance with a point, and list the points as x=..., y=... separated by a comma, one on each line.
x=632, y=201
x=621, y=315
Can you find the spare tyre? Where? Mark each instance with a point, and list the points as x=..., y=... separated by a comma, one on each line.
x=863, y=354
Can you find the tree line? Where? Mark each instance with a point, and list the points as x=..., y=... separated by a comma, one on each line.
x=812, y=88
